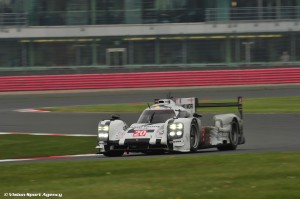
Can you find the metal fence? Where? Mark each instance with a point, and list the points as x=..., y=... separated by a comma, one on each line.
x=149, y=16
x=252, y=13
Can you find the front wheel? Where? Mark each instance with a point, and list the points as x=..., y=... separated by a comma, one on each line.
x=194, y=138
x=112, y=153
x=233, y=138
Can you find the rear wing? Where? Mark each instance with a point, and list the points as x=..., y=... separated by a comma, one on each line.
x=190, y=104
x=238, y=104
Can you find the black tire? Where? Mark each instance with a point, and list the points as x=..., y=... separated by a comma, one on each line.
x=194, y=137
x=233, y=137
x=113, y=153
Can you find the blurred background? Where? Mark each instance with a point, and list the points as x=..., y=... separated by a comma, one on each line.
x=86, y=35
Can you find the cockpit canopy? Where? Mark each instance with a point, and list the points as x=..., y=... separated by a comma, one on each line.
x=156, y=116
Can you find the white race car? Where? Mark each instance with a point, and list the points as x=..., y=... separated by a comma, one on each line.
x=171, y=126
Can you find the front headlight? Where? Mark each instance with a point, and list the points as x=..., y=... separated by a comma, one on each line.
x=175, y=130
x=103, y=128
x=179, y=126
x=173, y=126
x=176, y=126
x=179, y=133
x=172, y=134
x=103, y=132
x=103, y=135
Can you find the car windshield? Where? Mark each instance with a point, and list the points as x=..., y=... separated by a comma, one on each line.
x=156, y=116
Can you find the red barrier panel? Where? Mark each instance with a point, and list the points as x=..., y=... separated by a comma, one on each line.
x=151, y=79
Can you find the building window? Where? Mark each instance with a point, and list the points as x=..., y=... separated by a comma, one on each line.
x=105, y=51
x=144, y=52
x=288, y=3
x=206, y=51
x=171, y=51
x=10, y=53
x=110, y=12
x=265, y=49
x=62, y=53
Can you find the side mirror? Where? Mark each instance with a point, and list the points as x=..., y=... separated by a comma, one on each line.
x=197, y=115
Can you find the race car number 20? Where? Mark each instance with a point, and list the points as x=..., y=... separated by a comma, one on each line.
x=140, y=133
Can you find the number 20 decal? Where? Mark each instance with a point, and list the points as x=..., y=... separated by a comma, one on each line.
x=141, y=133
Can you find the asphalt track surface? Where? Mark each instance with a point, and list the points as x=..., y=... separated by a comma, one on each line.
x=264, y=132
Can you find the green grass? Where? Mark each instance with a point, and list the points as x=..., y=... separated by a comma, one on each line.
x=245, y=176
x=251, y=105
x=26, y=146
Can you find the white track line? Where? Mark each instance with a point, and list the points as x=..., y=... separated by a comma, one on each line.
x=28, y=110
x=47, y=134
x=49, y=157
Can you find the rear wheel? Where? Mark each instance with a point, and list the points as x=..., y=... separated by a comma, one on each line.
x=233, y=137
x=194, y=137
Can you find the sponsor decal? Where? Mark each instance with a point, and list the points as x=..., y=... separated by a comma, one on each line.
x=120, y=135
x=139, y=133
x=187, y=103
x=188, y=106
x=147, y=127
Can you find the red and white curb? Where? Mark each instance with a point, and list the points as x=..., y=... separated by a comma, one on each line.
x=47, y=134
x=28, y=110
x=49, y=158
